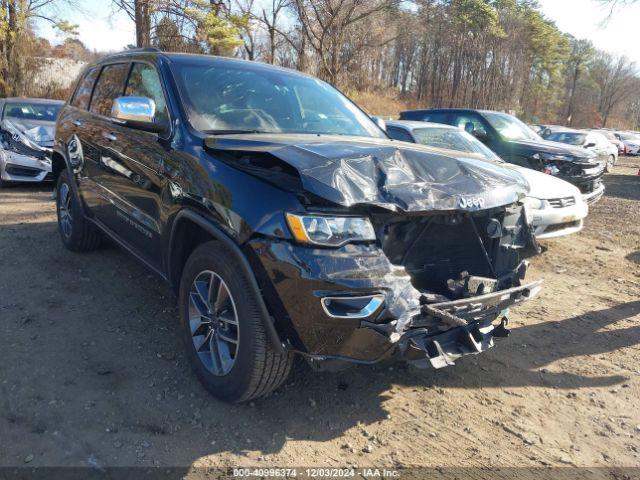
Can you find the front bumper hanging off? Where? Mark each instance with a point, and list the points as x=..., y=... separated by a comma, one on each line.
x=471, y=329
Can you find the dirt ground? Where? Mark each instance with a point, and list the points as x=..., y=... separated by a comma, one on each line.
x=92, y=372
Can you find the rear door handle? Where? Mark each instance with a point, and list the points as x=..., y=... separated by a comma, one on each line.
x=110, y=136
x=78, y=123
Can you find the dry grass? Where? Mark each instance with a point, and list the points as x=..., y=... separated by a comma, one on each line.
x=381, y=103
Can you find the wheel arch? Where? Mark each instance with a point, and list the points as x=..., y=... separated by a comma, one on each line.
x=58, y=163
x=190, y=229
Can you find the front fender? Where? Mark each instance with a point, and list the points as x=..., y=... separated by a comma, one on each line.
x=218, y=234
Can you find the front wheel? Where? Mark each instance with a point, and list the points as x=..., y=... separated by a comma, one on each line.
x=611, y=161
x=223, y=328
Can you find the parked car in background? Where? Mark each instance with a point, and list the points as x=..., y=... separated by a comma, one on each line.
x=27, y=128
x=611, y=136
x=516, y=143
x=631, y=142
x=593, y=141
x=555, y=207
x=285, y=219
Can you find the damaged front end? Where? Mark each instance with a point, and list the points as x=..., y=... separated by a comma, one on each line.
x=26, y=151
x=445, y=261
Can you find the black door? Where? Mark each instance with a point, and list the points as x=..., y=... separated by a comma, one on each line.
x=93, y=128
x=132, y=160
x=77, y=129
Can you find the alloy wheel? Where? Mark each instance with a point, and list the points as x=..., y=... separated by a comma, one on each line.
x=213, y=320
x=64, y=209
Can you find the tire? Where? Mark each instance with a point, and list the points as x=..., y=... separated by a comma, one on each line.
x=611, y=161
x=77, y=234
x=238, y=372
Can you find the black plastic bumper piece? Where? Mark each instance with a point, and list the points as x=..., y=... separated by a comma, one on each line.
x=426, y=350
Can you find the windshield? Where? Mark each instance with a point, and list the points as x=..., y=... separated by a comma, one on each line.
x=453, y=139
x=236, y=98
x=47, y=112
x=572, y=138
x=509, y=127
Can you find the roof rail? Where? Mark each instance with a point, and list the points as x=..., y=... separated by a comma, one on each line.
x=144, y=49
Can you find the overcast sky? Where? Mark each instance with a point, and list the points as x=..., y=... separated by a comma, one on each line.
x=103, y=28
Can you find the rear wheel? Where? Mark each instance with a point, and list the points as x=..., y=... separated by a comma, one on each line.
x=223, y=328
x=77, y=234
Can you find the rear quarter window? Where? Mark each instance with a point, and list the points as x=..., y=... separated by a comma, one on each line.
x=82, y=96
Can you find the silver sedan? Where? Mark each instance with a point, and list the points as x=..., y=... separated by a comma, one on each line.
x=26, y=138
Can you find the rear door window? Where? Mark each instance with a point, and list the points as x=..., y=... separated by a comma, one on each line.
x=468, y=122
x=109, y=87
x=83, y=93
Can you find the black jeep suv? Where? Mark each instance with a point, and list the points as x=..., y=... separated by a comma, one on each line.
x=516, y=143
x=285, y=219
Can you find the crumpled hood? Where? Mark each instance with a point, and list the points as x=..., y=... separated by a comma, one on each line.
x=394, y=175
x=557, y=148
x=41, y=132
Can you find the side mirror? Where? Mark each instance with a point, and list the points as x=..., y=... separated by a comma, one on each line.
x=590, y=145
x=481, y=134
x=380, y=122
x=135, y=112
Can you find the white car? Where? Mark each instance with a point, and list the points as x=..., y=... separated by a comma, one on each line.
x=26, y=138
x=554, y=207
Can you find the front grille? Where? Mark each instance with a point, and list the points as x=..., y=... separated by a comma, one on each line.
x=21, y=171
x=562, y=202
x=436, y=249
x=20, y=148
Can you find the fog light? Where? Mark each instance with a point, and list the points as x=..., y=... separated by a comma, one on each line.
x=352, y=307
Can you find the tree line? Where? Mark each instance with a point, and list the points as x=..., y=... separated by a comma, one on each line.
x=496, y=54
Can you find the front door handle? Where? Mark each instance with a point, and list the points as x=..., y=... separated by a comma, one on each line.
x=110, y=136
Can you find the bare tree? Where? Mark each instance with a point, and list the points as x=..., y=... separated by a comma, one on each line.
x=327, y=24
x=616, y=77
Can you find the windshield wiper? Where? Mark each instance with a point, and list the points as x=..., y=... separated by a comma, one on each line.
x=232, y=132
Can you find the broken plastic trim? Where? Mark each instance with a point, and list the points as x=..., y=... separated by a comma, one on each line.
x=472, y=333
x=442, y=350
x=461, y=312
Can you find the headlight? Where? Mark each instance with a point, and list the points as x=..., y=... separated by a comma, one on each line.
x=532, y=203
x=330, y=231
